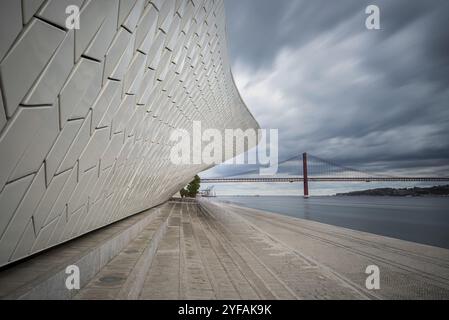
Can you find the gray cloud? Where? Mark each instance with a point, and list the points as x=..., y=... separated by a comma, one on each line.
x=373, y=99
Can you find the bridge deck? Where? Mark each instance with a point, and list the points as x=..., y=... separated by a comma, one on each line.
x=326, y=179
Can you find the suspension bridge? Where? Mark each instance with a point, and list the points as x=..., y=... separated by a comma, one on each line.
x=316, y=169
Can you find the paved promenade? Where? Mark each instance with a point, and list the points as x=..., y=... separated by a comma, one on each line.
x=319, y=261
x=222, y=251
x=229, y=252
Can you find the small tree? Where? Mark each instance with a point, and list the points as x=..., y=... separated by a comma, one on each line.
x=192, y=188
x=183, y=193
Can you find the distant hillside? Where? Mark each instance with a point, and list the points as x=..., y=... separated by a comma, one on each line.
x=414, y=192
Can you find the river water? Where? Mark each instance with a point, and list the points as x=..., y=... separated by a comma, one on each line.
x=418, y=219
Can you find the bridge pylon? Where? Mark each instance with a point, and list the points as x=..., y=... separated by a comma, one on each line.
x=305, y=175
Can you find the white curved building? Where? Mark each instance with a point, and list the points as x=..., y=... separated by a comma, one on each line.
x=86, y=114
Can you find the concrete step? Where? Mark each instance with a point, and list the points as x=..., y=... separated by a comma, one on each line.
x=43, y=276
x=199, y=259
x=179, y=270
x=123, y=277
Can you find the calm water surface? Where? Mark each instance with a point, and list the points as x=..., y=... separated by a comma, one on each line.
x=423, y=220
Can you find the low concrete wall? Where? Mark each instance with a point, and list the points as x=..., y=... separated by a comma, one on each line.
x=134, y=284
x=90, y=253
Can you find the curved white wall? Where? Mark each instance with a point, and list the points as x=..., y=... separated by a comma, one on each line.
x=86, y=114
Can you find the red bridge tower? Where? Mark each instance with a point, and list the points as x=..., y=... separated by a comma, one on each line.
x=306, y=179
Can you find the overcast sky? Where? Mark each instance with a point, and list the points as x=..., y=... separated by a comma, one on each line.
x=364, y=98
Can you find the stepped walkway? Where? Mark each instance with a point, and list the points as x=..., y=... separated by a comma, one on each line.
x=211, y=250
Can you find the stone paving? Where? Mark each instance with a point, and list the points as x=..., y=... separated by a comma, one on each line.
x=213, y=250
x=338, y=256
x=227, y=252
x=221, y=251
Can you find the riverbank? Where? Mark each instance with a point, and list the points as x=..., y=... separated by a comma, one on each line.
x=435, y=191
x=213, y=250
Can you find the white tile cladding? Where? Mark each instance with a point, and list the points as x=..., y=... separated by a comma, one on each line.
x=86, y=114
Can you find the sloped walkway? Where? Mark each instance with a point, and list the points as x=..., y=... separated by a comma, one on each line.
x=337, y=257
x=212, y=250
x=222, y=251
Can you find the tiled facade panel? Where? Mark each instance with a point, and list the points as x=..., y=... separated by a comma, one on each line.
x=86, y=114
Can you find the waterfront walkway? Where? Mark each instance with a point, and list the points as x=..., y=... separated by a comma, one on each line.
x=222, y=251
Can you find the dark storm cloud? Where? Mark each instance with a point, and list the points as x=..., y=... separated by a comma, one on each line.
x=374, y=99
x=258, y=29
